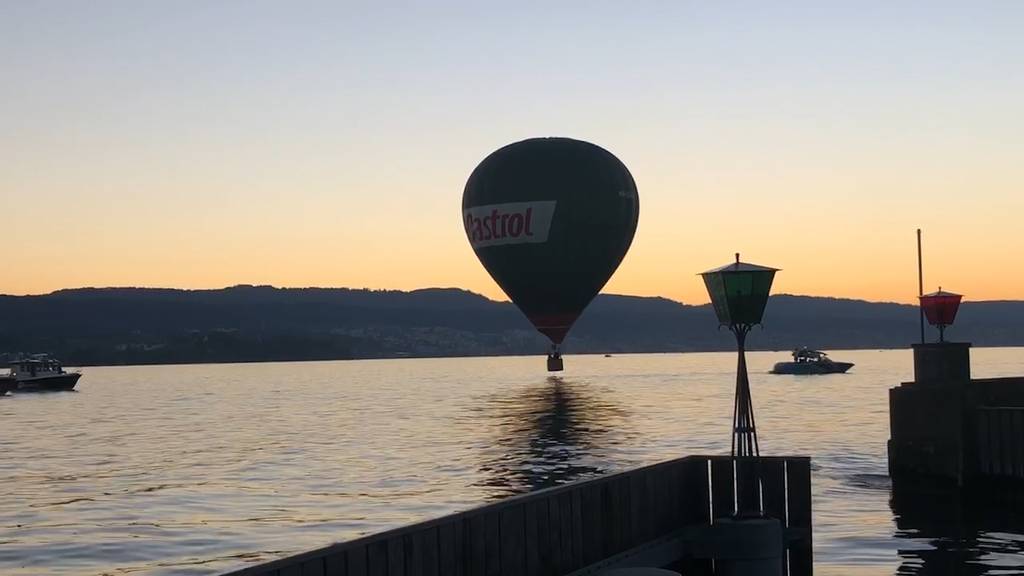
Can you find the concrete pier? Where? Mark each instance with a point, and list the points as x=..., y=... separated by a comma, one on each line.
x=947, y=428
x=942, y=363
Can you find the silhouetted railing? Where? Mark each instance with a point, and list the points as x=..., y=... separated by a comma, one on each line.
x=557, y=531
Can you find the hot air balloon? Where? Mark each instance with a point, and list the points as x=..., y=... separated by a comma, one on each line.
x=551, y=219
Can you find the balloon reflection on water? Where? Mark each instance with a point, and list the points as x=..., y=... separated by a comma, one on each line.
x=550, y=433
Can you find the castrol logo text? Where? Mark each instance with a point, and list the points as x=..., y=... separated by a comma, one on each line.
x=512, y=223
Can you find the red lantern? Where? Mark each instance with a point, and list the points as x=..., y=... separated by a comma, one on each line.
x=940, y=308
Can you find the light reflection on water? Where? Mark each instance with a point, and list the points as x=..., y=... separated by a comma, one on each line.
x=198, y=469
x=550, y=433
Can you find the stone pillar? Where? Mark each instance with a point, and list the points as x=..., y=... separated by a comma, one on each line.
x=942, y=362
x=930, y=418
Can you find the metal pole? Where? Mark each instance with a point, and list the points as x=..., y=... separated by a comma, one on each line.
x=744, y=441
x=920, y=283
x=745, y=449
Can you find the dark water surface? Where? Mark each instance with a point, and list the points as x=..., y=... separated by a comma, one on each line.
x=199, y=469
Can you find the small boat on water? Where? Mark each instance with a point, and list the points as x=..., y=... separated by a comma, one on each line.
x=807, y=361
x=40, y=372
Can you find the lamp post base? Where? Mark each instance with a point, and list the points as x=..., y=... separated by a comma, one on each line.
x=747, y=546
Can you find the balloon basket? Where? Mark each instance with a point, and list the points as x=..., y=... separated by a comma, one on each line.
x=554, y=362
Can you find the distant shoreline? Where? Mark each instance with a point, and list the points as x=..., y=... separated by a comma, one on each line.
x=538, y=355
x=252, y=324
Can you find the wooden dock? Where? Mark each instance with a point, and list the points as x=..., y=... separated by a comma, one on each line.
x=657, y=516
x=1000, y=447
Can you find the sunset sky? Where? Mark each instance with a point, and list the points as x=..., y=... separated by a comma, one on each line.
x=203, y=144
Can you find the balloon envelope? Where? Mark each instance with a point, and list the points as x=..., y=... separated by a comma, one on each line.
x=551, y=219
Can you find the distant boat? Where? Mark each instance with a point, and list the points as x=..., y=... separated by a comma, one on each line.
x=807, y=361
x=40, y=372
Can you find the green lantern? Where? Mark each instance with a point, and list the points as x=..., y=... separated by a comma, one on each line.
x=739, y=292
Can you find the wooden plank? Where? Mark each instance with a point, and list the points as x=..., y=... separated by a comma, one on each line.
x=293, y=570
x=620, y=511
x=553, y=537
x=991, y=442
x=638, y=511
x=748, y=497
x=334, y=565
x=550, y=535
x=413, y=552
x=606, y=530
x=532, y=520
x=773, y=486
x=610, y=532
x=798, y=476
x=449, y=544
x=576, y=518
x=377, y=558
x=773, y=483
x=396, y=555
x=475, y=550
x=657, y=487
x=670, y=498
x=1012, y=440
x=981, y=425
x=357, y=561
x=590, y=515
x=512, y=524
x=997, y=441
x=995, y=444
x=492, y=543
x=639, y=526
x=631, y=529
x=653, y=513
x=662, y=490
x=697, y=507
x=1018, y=436
x=998, y=455
x=1009, y=443
x=1004, y=441
x=431, y=552
x=723, y=499
x=696, y=492
x=570, y=550
x=681, y=503
x=313, y=567
x=798, y=473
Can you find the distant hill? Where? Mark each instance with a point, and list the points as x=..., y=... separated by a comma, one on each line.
x=260, y=323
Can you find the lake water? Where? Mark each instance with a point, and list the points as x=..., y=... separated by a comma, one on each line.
x=200, y=469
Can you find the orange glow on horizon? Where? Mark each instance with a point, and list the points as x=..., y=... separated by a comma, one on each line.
x=324, y=148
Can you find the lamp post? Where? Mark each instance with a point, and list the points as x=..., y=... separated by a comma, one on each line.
x=940, y=308
x=739, y=292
